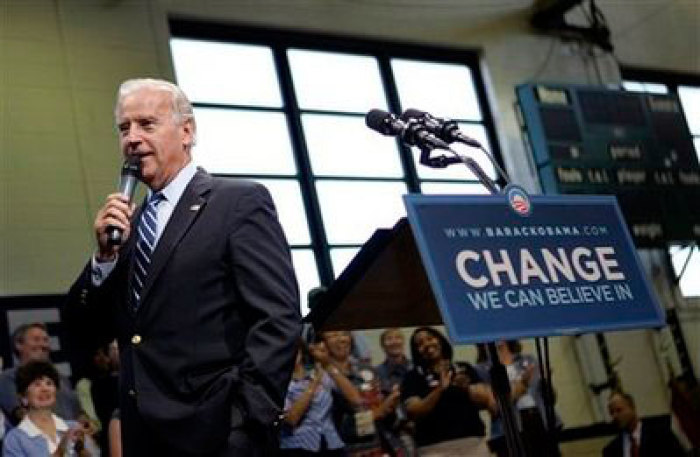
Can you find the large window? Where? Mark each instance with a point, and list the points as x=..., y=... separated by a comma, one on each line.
x=684, y=258
x=288, y=109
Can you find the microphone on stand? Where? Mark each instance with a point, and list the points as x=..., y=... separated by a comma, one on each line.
x=448, y=130
x=131, y=172
x=445, y=129
x=410, y=132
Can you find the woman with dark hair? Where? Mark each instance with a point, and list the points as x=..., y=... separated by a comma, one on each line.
x=41, y=432
x=444, y=398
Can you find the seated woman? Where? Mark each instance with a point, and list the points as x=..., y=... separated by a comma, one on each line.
x=308, y=428
x=444, y=399
x=42, y=433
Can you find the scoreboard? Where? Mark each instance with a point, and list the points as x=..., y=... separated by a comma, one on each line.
x=636, y=146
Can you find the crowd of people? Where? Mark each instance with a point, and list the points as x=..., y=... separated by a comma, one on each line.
x=337, y=404
x=431, y=405
x=427, y=405
x=42, y=414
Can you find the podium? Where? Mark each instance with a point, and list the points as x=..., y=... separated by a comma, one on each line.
x=385, y=285
x=566, y=266
x=496, y=267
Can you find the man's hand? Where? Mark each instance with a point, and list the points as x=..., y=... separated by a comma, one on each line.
x=116, y=212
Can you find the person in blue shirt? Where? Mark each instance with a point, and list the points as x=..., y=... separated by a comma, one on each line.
x=394, y=368
x=41, y=432
x=308, y=428
x=391, y=374
x=31, y=342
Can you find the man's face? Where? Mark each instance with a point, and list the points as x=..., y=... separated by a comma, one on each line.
x=148, y=129
x=34, y=345
x=393, y=343
x=622, y=412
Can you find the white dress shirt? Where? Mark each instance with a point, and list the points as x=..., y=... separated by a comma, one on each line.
x=627, y=443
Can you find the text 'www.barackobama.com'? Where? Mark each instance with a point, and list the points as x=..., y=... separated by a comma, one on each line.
x=525, y=231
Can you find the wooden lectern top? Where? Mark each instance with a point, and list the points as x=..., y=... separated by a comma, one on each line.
x=385, y=285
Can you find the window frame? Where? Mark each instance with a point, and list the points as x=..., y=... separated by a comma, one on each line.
x=279, y=41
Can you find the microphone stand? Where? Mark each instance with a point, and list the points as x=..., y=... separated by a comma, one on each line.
x=499, y=376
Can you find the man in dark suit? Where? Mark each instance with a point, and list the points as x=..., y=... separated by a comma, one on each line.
x=639, y=437
x=201, y=293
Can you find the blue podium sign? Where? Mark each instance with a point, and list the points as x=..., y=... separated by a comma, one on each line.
x=514, y=266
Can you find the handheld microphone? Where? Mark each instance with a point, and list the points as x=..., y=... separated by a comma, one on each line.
x=131, y=172
x=445, y=129
x=410, y=132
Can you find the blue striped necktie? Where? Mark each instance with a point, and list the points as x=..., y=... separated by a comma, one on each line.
x=146, y=231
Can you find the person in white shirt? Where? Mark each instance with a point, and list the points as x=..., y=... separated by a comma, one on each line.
x=41, y=432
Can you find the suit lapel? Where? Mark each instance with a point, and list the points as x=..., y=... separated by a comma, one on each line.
x=185, y=213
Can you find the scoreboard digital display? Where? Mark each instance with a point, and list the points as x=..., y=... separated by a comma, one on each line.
x=636, y=146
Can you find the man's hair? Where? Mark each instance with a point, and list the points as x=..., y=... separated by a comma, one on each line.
x=21, y=331
x=181, y=106
x=31, y=371
x=386, y=333
x=624, y=395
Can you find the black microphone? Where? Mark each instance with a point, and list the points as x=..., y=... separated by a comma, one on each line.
x=410, y=132
x=131, y=172
x=448, y=130
x=445, y=129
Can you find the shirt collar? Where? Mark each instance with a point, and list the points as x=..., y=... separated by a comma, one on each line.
x=174, y=190
x=637, y=432
x=30, y=428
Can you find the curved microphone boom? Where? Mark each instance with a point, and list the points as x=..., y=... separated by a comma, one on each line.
x=410, y=132
x=131, y=172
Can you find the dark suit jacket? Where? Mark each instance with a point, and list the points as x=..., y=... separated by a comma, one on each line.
x=657, y=440
x=213, y=342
